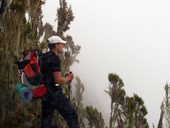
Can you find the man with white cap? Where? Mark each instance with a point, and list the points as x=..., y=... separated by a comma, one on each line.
x=54, y=99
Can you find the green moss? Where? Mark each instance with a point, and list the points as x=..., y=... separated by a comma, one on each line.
x=27, y=29
x=17, y=5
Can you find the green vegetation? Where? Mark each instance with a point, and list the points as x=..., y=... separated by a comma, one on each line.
x=126, y=112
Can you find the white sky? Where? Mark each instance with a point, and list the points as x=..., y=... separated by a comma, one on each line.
x=127, y=37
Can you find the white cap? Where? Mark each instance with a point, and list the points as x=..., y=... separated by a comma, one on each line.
x=56, y=39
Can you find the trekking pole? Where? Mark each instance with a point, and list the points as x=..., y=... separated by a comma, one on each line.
x=69, y=87
x=69, y=90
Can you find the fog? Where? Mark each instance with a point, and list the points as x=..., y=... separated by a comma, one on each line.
x=127, y=37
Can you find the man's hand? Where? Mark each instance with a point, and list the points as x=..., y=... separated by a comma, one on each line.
x=70, y=76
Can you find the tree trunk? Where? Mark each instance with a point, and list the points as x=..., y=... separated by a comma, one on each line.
x=160, y=119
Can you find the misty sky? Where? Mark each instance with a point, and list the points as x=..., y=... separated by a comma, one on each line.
x=127, y=37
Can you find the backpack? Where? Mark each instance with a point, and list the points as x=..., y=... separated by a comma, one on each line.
x=31, y=84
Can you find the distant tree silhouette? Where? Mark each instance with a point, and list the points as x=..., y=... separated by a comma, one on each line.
x=164, y=120
x=136, y=112
x=126, y=112
x=117, y=95
x=94, y=117
x=77, y=100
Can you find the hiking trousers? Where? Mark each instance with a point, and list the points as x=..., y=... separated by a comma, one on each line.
x=57, y=101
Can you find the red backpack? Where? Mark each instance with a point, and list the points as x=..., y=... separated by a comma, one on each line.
x=30, y=74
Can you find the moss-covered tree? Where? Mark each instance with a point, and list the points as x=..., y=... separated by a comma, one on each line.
x=135, y=112
x=20, y=32
x=94, y=117
x=117, y=95
x=164, y=120
x=126, y=112
x=23, y=29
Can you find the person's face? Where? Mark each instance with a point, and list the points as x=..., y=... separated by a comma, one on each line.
x=60, y=47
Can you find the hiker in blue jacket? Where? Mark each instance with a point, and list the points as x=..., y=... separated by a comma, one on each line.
x=54, y=99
